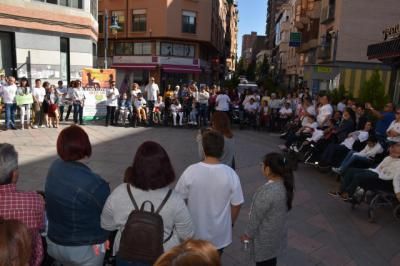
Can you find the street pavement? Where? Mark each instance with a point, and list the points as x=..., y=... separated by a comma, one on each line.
x=322, y=230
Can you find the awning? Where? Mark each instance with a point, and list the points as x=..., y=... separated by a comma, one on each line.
x=181, y=69
x=384, y=50
x=134, y=66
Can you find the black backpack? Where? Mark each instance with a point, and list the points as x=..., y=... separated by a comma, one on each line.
x=143, y=237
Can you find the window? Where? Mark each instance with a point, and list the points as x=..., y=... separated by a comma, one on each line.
x=101, y=22
x=64, y=3
x=93, y=8
x=76, y=3
x=177, y=49
x=188, y=22
x=143, y=48
x=139, y=20
x=118, y=17
x=69, y=3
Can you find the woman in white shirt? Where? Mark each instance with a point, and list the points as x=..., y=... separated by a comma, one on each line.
x=393, y=131
x=25, y=90
x=176, y=109
x=148, y=179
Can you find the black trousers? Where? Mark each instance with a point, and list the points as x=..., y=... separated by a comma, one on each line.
x=110, y=114
x=270, y=262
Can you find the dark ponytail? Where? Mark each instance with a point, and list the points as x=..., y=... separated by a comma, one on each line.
x=279, y=166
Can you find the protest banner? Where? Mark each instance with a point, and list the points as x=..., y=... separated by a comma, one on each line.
x=97, y=78
x=24, y=99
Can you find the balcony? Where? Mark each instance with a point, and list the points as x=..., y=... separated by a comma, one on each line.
x=324, y=53
x=306, y=46
x=315, y=12
x=285, y=26
x=327, y=14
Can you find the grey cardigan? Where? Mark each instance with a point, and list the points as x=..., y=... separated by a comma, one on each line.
x=267, y=223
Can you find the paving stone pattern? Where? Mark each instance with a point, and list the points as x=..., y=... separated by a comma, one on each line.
x=322, y=230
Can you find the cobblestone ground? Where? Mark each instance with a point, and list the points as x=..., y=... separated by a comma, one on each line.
x=322, y=230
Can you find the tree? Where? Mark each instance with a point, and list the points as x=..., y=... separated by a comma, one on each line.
x=373, y=91
x=262, y=69
x=240, y=68
x=251, y=71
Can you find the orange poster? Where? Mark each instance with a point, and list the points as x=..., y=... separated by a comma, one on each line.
x=97, y=78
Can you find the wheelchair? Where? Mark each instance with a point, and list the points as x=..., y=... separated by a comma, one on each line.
x=376, y=200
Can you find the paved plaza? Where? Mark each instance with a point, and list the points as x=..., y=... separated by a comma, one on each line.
x=322, y=230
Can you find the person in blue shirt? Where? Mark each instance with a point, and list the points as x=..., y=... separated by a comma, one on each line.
x=384, y=119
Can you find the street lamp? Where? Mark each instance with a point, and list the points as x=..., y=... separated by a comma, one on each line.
x=114, y=29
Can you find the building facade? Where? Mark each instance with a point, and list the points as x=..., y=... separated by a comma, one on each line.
x=345, y=30
x=231, y=38
x=175, y=41
x=252, y=44
x=48, y=39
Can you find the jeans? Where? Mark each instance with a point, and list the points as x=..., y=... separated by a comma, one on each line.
x=110, y=114
x=332, y=154
x=75, y=255
x=68, y=112
x=122, y=262
x=78, y=111
x=10, y=114
x=203, y=114
x=354, y=177
x=150, y=105
x=350, y=159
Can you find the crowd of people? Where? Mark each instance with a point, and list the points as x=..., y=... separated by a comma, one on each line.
x=354, y=140
x=44, y=103
x=77, y=220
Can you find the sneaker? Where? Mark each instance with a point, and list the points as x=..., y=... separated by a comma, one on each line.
x=335, y=194
x=42, y=126
x=35, y=127
x=336, y=170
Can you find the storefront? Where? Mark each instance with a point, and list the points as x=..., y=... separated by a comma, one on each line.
x=388, y=52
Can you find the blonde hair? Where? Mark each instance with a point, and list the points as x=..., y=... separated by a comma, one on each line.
x=191, y=252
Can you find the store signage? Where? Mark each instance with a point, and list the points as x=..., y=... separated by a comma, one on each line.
x=295, y=39
x=391, y=32
x=322, y=69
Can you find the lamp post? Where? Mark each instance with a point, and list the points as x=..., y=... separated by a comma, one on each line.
x=114, y=29
x=105, y=38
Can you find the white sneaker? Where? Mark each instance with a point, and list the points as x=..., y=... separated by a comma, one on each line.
x=336, y=170
x=42, y=126
x=35, y=127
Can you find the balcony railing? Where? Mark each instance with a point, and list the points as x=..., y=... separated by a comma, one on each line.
x=327, y=14
x=324, y=53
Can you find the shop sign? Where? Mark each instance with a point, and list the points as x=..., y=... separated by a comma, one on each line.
x=391, y=32
x=322, y=69
x=295, y=39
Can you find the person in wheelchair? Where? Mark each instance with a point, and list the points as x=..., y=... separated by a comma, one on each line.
x=124, y=109
x=159, y=107
x=285, y=114
x=309, y=125
x=176, y=109
x=140, y=106
x=250, y=112
x=382, y=177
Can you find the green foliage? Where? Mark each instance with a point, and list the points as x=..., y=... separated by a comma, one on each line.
x=338, y=94
x=373, y=91
x=262, y=69
x=240, y=68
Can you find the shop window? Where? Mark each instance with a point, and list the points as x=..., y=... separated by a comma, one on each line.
x=188, y=22
x=119, y=18
x=139, y=20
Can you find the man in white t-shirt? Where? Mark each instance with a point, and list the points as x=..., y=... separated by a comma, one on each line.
x=9, y=94
x=38, y=94
x=112, y=95
x=393, y=131
x=213, y=193
x=152, y=91
x=222, y=102
x=325, y=111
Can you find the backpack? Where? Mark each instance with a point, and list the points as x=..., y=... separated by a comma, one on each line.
x=143, y=237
